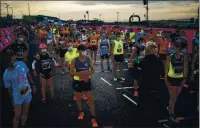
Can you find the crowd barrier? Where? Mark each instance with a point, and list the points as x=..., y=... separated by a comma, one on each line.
x=7, y=37
x=188, y=33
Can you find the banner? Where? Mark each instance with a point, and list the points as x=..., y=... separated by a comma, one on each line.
x=6, y=37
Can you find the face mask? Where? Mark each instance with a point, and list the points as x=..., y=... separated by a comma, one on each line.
x=70, y=49
x=79, y=39
x=84, y=53
x=94, y=33
x=118, y=38
x=172, y=51
x=15, y=64
x=43, y=50
x=142, y=44
x=21, y=39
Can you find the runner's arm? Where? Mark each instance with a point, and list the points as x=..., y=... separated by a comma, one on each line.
x=8, y=85
x=185, y=67
x=167, y=67
x=108, y=45
x=91, y=67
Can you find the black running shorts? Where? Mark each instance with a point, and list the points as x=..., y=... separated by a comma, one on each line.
x=81, y=86
x=119, y=58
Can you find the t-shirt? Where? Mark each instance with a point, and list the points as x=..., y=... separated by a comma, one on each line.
x=17, y=79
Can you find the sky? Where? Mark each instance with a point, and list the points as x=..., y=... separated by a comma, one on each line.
x=159, y=10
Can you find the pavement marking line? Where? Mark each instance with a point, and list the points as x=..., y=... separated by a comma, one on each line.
x=106, y=81
x=165, y=120
x=166, y=126
x=129, y=99
x=124, y=88
x=110, y=71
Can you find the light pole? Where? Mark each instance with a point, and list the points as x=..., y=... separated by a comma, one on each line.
x=87, y=12
x=100, y=16
x=117, y=16
x=6, y=7
x=11, y=9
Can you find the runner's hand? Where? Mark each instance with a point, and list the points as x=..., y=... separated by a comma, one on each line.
x=34, y=89
x=167, y=83
x=183, y=82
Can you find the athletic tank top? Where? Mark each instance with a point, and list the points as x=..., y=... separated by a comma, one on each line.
x=104, y=48
x=118, y=48
x=81, y=66
x=45, y=65
x=176, y=66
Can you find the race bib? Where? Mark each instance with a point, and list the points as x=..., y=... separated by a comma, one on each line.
x=19, y=54
x=104, y=47
x=24, y=91
x=49, y=41
x=119, y=49
x=178, y=70
x=45, y=64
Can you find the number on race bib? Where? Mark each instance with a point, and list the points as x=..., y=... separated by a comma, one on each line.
x=178, y=70
x=45, y=64
x=19, y=55
x=119, y=49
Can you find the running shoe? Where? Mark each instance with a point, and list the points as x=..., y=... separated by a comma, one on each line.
x=94, y=123
x=44, y=100
x=172, y=117
x=84, y=97
x=115, y=78
x=80, y=116
x=122, y=79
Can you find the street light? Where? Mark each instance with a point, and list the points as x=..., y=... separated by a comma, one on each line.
x=6, y=7
x=117, y=16
x=11, y=9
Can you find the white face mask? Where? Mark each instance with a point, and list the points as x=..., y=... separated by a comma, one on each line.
x=84, y=53
x=21, y=39
x=44, y=50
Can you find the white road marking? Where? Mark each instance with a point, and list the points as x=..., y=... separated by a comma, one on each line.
x=124, y=88
x=106, y=81
x=129, y=99
x=110, y=71
x=165, y=120
x=166, y=126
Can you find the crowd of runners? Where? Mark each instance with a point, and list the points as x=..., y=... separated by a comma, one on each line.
x=74, y=51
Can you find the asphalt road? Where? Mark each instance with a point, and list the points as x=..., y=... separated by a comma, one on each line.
x=115, y=107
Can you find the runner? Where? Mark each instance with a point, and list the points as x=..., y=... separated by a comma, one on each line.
x=118, y=57
x=104, y=48
x=19, y=89
x=93, y=39
x=138, y=53
x=62, y=51
x=45, y=72
x=20, y=48
x=176, y=72
x=82, y=68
